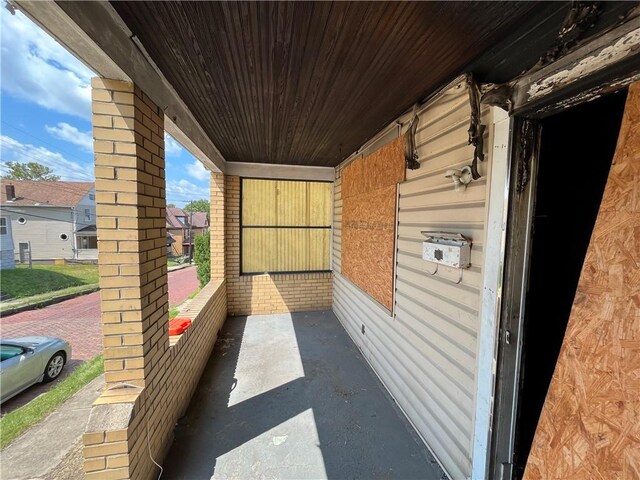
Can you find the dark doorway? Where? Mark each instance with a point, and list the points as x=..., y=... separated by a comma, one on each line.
x=576, y=151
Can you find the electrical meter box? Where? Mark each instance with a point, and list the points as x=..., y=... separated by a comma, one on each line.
x=448, y=249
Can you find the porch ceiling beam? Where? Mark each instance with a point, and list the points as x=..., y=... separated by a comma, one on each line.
x=282, y=172
x=607, y=63
x=96, y=35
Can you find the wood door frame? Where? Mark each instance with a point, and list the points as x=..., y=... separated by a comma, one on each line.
x=498, y=179
x=522, y=194
x=608, y=63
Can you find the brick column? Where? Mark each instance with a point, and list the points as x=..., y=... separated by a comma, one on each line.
x=128, y=132
x=216, y=223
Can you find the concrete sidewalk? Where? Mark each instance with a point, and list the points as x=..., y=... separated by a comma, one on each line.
x=42, y=448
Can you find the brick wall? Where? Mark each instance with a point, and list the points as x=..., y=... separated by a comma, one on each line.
x=128, y=132
x=217, y=226
x=263, y=294
x=116, y=437
x=150, y=380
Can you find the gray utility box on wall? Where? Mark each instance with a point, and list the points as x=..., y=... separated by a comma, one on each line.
x=448, y=249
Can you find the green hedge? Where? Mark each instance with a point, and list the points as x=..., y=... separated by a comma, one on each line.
x=202, y=257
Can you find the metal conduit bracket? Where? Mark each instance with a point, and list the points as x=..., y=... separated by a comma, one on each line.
x=410, y=152
x=476, y=129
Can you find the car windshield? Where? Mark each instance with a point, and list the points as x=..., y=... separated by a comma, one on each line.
x=9, y=351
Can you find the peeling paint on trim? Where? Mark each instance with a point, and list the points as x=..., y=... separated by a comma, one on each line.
x=589, y=95
x=624, y=47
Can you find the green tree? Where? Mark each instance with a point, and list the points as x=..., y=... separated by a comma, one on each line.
x=171, y=205
x=201, y=205
x=29, y=171
x=202, y=257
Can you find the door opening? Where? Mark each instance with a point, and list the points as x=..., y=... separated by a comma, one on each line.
x=569, y=174
x=24, y=252
x=576, y=150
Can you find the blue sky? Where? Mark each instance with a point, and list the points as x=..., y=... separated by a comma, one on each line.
x=45, y=112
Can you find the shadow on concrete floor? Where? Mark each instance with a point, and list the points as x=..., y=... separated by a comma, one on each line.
x=290, y=396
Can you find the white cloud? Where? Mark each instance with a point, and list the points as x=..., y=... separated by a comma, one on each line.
x=197, y=170
x=184, y=190
x=171, y=146
x=13, y=150
x=38, y=69
x=71, y=134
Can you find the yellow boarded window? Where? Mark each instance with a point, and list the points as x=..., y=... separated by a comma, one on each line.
x=285, y=226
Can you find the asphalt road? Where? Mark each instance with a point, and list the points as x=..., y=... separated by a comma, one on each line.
x=78, y=321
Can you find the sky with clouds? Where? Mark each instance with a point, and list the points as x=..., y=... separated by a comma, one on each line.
x=45, y=112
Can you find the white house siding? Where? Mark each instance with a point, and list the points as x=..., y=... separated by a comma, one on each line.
x=86, y=203
x=6, y=247
x=426, y=352
x=43, y=229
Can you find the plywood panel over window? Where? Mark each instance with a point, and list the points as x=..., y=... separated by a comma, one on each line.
x=285, y=226
x=369, y=195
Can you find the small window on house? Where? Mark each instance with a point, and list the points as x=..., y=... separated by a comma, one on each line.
x=3, y=226
x=22, y=220
x=92, y=196
x=88, y=242
x=87, y=214
x=64, y=236
x=285, y=226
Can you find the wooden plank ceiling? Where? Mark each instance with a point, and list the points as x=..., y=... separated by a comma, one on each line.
x=308, y=83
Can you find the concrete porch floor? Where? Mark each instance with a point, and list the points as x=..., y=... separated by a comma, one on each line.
x=290, y=396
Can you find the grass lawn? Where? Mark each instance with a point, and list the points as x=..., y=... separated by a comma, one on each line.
x=176, y=261
x=15, y=423
x=24, y=281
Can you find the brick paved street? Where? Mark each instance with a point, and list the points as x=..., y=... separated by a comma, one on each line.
x=182, y=283
x=78, y=321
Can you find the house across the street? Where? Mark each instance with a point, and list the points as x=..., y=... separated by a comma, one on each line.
x=184, y=227
x=7, y=260
x=50, y=220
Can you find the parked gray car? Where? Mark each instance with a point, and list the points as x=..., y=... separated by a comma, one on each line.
x=28, y=360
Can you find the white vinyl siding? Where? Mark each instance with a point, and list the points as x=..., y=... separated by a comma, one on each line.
x=6, y=244
x=86, y=210
x=43, y=229
x=426, y=353
x=336, y=258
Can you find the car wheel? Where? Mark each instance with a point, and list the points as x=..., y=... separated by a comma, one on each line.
x=54, y=367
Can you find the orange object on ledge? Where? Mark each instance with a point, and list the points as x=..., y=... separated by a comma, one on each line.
x=177, y=326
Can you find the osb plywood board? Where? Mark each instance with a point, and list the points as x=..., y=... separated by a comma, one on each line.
x=383, y=168
x=368, y=221
x=368, y=242
x=590, y=424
